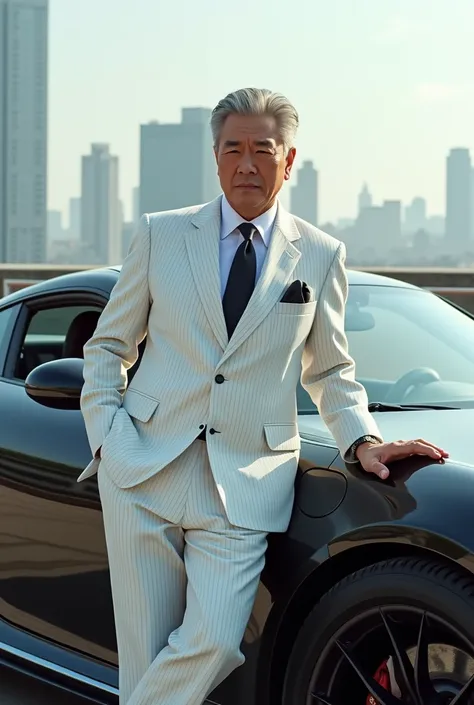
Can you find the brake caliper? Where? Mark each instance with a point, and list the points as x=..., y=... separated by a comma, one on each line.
x=385, y=677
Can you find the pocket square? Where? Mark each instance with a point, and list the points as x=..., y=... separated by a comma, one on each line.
x=297, y=293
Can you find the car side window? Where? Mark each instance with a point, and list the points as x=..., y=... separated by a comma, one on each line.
x=7, y=321
x=5, y=317
x=55, y=333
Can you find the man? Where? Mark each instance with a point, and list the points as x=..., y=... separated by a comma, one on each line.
x=198, y=454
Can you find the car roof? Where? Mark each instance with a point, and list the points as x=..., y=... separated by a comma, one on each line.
x=358, y=277
x=98, y=279
x=102, y=279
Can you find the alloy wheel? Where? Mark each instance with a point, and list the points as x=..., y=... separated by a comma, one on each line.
x=433, y=661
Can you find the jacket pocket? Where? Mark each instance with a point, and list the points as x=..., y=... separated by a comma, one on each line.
x=282, y=436
x=306, y=309
x=138, y=405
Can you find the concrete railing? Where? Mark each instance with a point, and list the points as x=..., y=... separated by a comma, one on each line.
x=456, y=285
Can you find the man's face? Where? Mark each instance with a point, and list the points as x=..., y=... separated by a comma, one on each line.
x=251, y=163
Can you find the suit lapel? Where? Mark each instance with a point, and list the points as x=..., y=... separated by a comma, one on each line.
x=282, y=257
x=202, y=244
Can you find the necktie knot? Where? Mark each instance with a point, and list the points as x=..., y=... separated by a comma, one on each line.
x=247, y=230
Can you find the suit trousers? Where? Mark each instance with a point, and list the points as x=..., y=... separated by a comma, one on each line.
x=184, y=581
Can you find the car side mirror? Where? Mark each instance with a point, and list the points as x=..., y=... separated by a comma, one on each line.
x=57, y=384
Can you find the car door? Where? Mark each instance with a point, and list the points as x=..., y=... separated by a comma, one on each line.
x=54, y=580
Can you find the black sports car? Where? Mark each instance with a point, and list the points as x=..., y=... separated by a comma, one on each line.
x=369, y=596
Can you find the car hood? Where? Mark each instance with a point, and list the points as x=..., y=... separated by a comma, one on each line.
x=452, y=430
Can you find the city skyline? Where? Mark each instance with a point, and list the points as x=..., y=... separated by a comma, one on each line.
x=132, y=202
x=387, y=231
x=128, y=203
x=377, y=99
x=176, y=167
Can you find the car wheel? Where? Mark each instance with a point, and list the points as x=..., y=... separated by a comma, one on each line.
x=398, y=631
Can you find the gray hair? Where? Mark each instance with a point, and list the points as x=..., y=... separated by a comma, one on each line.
x=257, y=101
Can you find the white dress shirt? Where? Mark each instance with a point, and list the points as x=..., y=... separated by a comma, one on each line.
x=231, y=238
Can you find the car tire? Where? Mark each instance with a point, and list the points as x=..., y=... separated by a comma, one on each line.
x=427, y=584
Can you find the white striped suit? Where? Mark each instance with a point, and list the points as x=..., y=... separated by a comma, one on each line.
x=169, y=290
x=173, y=552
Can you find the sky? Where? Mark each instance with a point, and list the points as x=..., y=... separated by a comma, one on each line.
x=384, y=88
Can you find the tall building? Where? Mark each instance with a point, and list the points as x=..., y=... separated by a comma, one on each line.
x=55, y=230
x=458, y=197
x=365, y=199
x=379, y=227
x=436, y=225
x=304, y=196
x=75, y=218
x=415, y=216
x=101, y=226
x=177, y=164
x=136, y=204
x=392, y=222
x=23, y=130
x=128, y=231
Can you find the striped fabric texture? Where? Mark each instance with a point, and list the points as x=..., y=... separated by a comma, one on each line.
x=183, y=581
x=169, y=290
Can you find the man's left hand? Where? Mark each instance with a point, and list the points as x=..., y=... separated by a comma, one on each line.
x=373, y=456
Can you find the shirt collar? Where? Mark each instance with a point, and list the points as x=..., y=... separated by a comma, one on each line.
x=230, y=220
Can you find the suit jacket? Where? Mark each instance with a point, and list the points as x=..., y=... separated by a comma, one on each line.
x=169, y=291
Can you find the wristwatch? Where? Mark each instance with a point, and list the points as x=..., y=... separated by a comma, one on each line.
x=350, y=456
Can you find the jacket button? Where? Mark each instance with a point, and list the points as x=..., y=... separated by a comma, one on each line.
x=212, y=431
x=219, y=379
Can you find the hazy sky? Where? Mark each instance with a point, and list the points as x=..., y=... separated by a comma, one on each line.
x=384, y=87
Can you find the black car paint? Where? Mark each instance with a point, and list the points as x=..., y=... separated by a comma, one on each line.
x=56, y=618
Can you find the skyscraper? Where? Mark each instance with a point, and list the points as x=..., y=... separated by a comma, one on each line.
x=392, y=222
x=23, y=129
x=177, y=164
x=365, y=199
x=458, y=197
x=304, y=196
x=75, y=218
x=135, y=204
x=55, y=229
x=415, y=216
x=101, y=227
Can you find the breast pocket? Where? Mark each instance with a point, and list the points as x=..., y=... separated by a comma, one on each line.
x=307, y=309
x=287, y=327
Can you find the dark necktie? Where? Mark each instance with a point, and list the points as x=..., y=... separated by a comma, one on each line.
x=241, y=282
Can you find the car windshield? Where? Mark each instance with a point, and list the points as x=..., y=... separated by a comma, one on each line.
x=409, y=346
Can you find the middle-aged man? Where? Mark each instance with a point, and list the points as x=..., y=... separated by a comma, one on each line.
x=197, y=458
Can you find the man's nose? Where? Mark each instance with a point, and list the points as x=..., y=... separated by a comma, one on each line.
x=246, y=165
